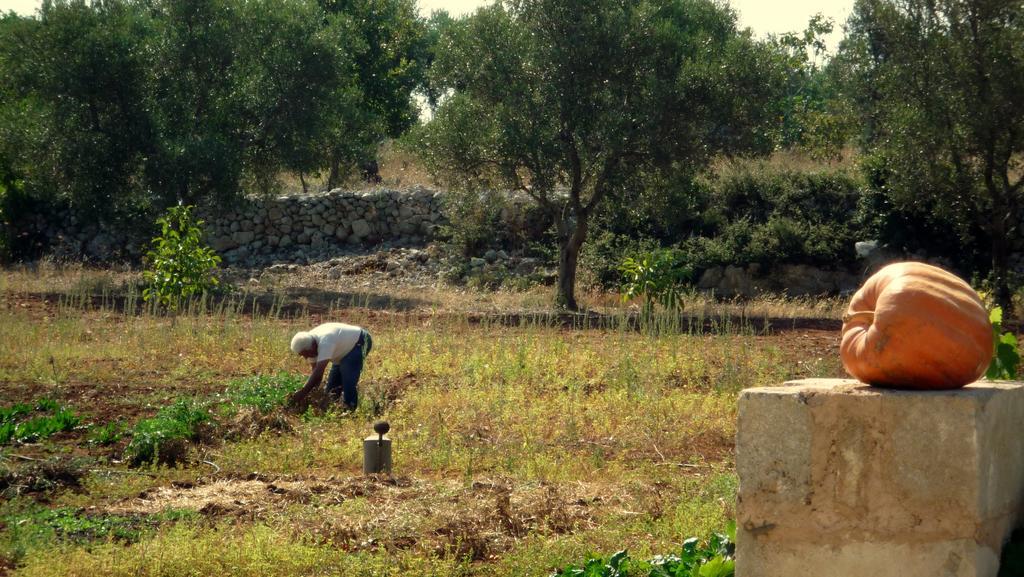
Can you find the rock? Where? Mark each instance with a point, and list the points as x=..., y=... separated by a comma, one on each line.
x=223, y=243
x=491, y=255
x=864, y=248
x=360, y=228
x=477, y=262
x=502, y=255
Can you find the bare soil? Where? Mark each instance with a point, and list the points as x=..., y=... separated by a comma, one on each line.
x=479, y=519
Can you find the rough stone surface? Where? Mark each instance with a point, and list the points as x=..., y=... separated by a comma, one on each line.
x=840, y=479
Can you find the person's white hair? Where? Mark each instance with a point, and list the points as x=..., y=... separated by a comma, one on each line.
x=302, y=342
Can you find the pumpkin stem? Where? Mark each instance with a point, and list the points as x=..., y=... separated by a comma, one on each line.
x=870, y=316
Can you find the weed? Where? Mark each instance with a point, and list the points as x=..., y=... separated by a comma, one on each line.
x=263, y=392
x=35, y=528
x=164, y=438
x=104, y=435
x=711, y=558
x=15, y=428
x=1006, y=358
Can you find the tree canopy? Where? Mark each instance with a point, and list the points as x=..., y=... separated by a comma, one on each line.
x=133, y=105
x=939, y=86
x=573, y=101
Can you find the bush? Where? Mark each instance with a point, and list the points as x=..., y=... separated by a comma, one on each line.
x=657, y=277
x=747, y=213
x=769, y=216
x=920, y=226
x=179, y=264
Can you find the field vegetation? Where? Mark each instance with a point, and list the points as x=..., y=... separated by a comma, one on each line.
x=142, y=422
x=523, y=442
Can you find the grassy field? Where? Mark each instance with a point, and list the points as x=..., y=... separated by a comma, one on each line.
x=522, y=442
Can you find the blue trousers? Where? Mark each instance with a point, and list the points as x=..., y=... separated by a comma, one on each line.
x=344, y=375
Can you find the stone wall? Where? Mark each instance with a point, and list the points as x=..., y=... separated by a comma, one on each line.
x=294, y=228
x=312, y=228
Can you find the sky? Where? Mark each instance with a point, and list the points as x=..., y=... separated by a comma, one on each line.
x=763, y=16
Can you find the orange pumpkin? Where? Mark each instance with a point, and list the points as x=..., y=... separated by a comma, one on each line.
x=916, y=326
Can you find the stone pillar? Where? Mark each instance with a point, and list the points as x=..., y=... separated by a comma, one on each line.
x=838, y=479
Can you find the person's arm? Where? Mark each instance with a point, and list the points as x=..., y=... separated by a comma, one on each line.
x=299, y=398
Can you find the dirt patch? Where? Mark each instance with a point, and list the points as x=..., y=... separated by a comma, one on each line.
x=38, y=477
x=479, y=520
x=250, y=423
x=217, y=498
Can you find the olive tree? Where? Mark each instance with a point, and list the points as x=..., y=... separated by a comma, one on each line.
x=940, y=87
x=574, y=101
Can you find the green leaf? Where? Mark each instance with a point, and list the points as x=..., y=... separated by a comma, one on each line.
x=996, y=316
x=718, y=567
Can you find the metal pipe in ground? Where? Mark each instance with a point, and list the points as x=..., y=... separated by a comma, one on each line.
x=377, y=450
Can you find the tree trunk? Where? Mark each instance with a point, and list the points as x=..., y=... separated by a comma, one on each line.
x=335, y=173
x=1000, y=217
x=302, y=179
x=568, y=259
x=1001, y=270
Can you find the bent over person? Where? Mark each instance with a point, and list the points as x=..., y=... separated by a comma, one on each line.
x=345, y=347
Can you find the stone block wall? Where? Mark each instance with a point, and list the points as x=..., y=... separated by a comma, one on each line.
x=316, y=227
x=838, y=479
x=260, y=232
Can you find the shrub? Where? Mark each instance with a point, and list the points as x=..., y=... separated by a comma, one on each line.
x=745, y=213
x=657, y=277
x=179, y=264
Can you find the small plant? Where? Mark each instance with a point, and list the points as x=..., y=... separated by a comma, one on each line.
x=712, y=558
x=264, y=392
x=51, y=419
x=164, y=438
x=179, y=264
x=75, y=526
x=103, y=435
x=656, y=277
x=1006, y=358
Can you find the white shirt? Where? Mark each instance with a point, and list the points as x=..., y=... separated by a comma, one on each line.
x=335, y=340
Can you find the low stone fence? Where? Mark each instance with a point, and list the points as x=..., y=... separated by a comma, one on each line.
x=260, y=232
x=838, y=479
x=314, y=227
